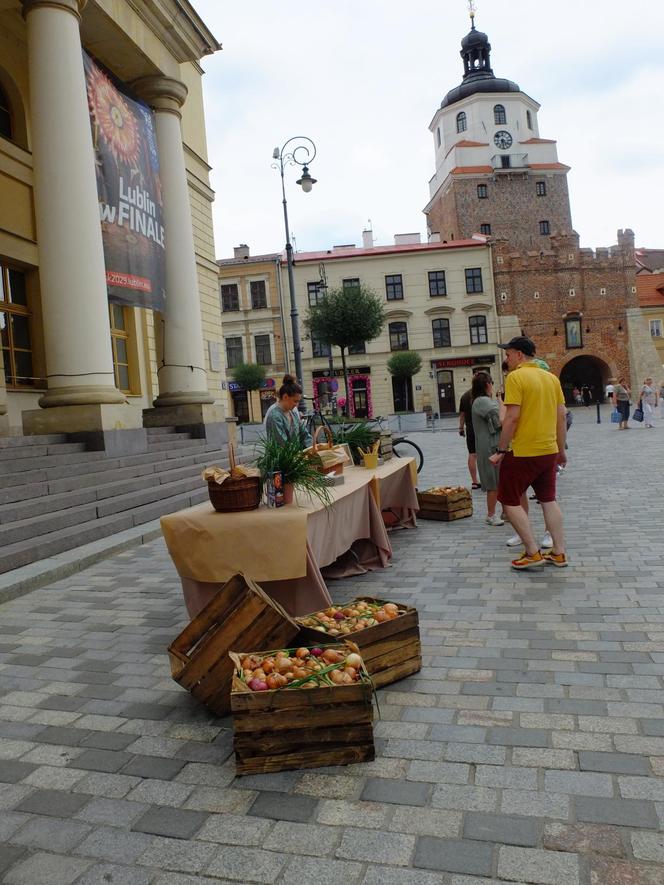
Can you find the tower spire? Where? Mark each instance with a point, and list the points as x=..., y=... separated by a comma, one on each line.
x=472, y=9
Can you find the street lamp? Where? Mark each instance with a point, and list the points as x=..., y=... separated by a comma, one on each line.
x=301, y=153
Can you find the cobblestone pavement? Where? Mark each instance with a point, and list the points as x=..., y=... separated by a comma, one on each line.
x=529, y=749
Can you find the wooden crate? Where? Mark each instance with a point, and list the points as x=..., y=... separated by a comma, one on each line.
x=300, y=728
x=241, y=614
x=390, y=651
x=429, y=501
x=385, y=450
x=446, y=515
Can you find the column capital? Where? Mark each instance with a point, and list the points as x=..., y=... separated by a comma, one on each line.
x=73, y=6
x=161, y=93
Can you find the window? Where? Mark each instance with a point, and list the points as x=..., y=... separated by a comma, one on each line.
x=358, y=348
x=398, y=336
x=15, y=328
x=438, y=136
x=234, y=354
x=319, y=348
x=485, y=229
x=474, y=280
x=478, y=333
x=230, y=299
x=573, y=332
x=394, y=287
x=482, y=192
x=529, y=119
x=544, y=228
x=263, y=350
x=540, y=188
x=441, y=333
x=119, y=317
x=461, y=122
x=5, y=116
x=505, y=161
x=351, y=283
x=437, y=285
x=258, y=295
x=499, y=115
x=656, y=328
x=314, y=293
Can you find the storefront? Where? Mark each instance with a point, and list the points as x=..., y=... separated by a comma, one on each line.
x=329, y=392
x=447, y=395
x=251, y=405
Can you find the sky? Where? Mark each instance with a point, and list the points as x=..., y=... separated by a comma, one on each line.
x=363, y=79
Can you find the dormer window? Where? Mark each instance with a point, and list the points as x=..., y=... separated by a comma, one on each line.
x=462, y=123
x=529, y=119
x=499, y=115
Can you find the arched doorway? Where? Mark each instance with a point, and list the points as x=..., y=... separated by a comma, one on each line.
x=585, y=371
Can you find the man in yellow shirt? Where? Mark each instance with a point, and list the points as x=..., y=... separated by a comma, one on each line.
x=531, y=446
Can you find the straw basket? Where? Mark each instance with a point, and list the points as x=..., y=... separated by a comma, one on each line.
x=235, y=495
x=328, y=458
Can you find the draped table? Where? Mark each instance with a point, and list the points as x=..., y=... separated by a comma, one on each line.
x=286, y=550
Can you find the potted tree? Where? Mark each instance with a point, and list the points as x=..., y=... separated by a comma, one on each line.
x=298, y=469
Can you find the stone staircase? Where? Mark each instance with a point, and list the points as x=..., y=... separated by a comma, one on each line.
x=56, y=497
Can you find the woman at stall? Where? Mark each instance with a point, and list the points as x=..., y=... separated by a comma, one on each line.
x=283, y=421
x=487, y=424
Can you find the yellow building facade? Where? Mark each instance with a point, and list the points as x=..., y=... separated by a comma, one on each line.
x=439, y=300
x=251, y=298
x=71, y=362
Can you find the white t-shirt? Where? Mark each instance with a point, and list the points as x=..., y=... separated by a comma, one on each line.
x=609, y=389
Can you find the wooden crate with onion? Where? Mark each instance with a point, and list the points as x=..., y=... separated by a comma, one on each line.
x=386, y=633
x=445, y=503
x=294, y=714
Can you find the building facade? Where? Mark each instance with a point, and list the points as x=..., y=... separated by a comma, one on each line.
x=495, y=175
x=439, y=301
x=250, y=293
x=650, y=291
x=72, y=362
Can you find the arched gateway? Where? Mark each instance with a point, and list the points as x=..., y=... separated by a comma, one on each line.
x=585, y=371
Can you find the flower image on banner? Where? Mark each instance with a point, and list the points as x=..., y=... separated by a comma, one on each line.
x=129, y=190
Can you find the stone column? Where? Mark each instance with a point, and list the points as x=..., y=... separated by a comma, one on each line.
x=81, y=399
x=182, y=375
x=77, y=339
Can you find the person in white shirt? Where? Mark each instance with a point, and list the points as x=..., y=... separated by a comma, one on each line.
x=609, y=390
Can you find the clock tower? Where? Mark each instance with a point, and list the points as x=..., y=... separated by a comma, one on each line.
x=494, y=174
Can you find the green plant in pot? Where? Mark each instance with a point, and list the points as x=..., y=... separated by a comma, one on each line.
x=297, y=467
x=359, y=435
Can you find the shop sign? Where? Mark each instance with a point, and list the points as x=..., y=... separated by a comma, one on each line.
x=129, y=192
x=339, y=373
x=457, y=362
x=268, y=384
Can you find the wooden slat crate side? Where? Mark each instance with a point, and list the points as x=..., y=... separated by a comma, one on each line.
x=443, y=515
x=270, y=743
x=314, y=758
x=397, y=671
x=283, y=720
x=369, y=634
x=384, y=646
x=438, y=502
x=243, y=699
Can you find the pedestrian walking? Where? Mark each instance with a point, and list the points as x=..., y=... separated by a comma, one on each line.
x=466, y=429
x=621, y=395
x=486, y=424
x=608, y=391
x=577, y=396
x=531, y=445
x=648, y=402
x=587, y=395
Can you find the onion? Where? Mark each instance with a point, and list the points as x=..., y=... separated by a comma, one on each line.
x=339, y=616
x=258, y=685
x=354, y=660
x=273, y=681
x=391, y=607
x=337, y=677
x=302, y=653
x=268, y=666
x=332, y=656
x=316, y=652
x=352, y=672
x=299, y=673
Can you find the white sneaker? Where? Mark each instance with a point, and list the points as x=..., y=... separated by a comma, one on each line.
x=547, y=541
x=514, y=541
x=494, y=520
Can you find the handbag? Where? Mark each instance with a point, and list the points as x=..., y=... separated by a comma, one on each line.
x=638, y=412
x=615, y=417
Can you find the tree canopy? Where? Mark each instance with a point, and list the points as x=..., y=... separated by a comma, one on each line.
x=249, y=375
x=404, y=364
x=346, y=316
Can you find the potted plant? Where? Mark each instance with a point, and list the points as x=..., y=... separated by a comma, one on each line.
x=297, y=468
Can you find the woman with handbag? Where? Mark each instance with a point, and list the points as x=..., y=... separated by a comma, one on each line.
x=648, y=402
x=621, y=395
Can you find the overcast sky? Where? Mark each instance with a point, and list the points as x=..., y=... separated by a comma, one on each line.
x=363, y=78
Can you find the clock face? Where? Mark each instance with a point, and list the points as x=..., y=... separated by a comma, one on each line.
x=502, y=140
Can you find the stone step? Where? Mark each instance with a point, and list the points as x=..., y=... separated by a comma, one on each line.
x=46, y=522
x=24, y=492
x=47, y=439
x=22, y=553
x=35, y=451
x=171, y=444
x=156, y=432
x=20, y=465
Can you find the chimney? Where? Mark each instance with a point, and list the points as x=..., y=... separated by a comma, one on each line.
x=367, y=238
x=241, y=251
x=407, y=239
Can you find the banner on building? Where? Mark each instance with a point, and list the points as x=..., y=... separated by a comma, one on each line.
x=129, y=190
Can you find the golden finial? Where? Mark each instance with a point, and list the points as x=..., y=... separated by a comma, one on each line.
x=472, y=9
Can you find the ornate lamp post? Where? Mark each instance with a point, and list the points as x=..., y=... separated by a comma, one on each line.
x=300, y=153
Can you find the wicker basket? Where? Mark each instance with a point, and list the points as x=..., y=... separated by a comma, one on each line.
x=235, y=495
x=317, y=448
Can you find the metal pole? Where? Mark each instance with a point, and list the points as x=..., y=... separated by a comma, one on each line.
x=295, y=327
x=599, y=416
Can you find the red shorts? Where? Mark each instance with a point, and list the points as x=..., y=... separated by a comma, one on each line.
x=516, y=474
